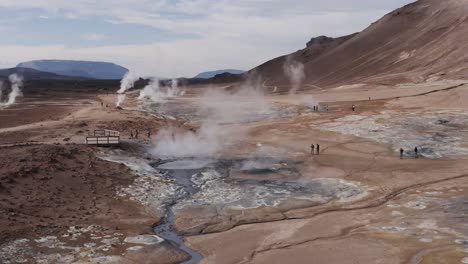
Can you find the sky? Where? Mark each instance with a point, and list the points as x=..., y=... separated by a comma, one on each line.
x=175, y=38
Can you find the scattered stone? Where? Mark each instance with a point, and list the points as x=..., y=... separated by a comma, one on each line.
x=144, y=240
x=461, y=241
x=418, y=205
x=397, y=213
x=426, y=240
x=111, y=241
x=82, y=124
x=394, y=228
x=135, y=248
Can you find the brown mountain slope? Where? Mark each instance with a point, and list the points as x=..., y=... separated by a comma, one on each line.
x=426, y=39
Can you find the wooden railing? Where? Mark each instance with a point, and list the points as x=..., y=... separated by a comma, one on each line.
x=103, y=137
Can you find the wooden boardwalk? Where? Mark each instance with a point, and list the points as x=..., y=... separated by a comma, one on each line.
x=103, y=138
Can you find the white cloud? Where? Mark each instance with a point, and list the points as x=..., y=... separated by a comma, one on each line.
x=70, y=15
x=230, y=33
x=94, y=37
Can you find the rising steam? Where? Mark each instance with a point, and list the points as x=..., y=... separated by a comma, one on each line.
x=128, y=81
x=218, y=108
x=308, y=100
x=120, y=99
x=154, y=92
x=16, y=84
x=1, y=90
x=174, y=91
x=151, y=91
x=207, y=141
x=294, y=70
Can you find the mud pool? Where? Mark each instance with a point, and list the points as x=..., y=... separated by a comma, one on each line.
x=214, y=185
x=174, y=185
x=164, y=229
x=208, y=183
x=192, y=112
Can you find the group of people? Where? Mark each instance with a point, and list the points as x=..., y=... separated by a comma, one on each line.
x=416, y=152
x=315, y=149
x=102, y=104
x=135, y=135
x=132, y=135
x=317, y=108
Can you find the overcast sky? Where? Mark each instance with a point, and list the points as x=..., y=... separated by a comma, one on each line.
x=173, y=38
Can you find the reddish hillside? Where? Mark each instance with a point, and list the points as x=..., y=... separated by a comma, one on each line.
x=422, y=40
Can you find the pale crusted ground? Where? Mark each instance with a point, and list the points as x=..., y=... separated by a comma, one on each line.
x=412, y=210
x=416, y=210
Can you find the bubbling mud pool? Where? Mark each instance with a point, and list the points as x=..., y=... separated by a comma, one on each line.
x=192, y=112
x=249, y=183
x=208, y=182
x=175, y=185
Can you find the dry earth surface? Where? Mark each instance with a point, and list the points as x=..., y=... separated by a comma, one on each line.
x=356, y=202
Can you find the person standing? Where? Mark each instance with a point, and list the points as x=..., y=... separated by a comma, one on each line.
x=402, y=151
x=318, y=149
x=416, y=152
x=354, y=108
x=312, y=149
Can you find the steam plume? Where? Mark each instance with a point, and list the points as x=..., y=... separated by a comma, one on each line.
x=120, y=99
x=1, y=90
x=207, y=141
x=217, y=108
x=151, y=91
x=158, y=94
x=174, y=91
x=16, y=84
x=128, y=81
x=294, y=70
x=308, y=100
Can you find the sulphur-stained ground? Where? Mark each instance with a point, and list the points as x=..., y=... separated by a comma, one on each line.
x=263, y=197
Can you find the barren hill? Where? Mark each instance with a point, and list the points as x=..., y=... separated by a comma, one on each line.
x=82, y=69
x=422, y=40
x=211, y=74
x=32, y=74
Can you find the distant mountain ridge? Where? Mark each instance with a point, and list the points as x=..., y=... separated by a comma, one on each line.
x=211, y=74
x=82, y=69
x=32, y=74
